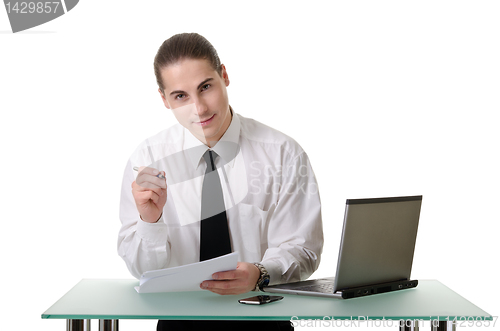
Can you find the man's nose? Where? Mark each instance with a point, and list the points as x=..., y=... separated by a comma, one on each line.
x=201, y=106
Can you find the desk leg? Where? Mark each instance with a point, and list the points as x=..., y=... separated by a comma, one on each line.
x=77, y=325
x=408, y=325
x=443, y=325
x=108, y=325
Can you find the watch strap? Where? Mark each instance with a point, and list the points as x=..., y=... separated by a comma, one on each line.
x=263, y=279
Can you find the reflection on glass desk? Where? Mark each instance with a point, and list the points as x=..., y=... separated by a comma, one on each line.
x=431, y=303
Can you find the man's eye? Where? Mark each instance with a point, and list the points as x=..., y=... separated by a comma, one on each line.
x=180, y=96
x=206, y=86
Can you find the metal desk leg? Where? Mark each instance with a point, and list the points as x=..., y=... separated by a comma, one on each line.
x=408, y=325
x=77, y=325
x=108, y=325
x=443, y=326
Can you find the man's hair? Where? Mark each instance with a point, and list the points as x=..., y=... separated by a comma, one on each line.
x=184, y=46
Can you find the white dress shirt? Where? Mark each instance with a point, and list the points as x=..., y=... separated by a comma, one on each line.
x=270, y=194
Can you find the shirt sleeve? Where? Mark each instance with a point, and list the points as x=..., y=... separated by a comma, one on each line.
x=295, y=233
x=143, y=246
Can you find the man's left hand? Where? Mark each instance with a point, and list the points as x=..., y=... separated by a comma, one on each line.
x=238, y=281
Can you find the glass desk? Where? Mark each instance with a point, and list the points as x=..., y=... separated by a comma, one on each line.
x=431, y=303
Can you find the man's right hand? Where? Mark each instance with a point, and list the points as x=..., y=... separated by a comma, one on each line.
x=150, y=194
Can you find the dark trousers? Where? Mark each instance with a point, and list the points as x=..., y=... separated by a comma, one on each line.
x=224, y=325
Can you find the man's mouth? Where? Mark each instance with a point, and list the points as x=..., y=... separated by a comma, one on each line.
x=205, y=122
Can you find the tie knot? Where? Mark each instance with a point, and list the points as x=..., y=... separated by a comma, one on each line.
x=210, y=157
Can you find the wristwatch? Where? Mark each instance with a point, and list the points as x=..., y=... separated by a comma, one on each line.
x=263, y=279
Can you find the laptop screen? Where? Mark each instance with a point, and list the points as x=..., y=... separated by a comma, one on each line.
x=378, y=241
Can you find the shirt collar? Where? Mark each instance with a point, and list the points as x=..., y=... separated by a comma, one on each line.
x=227, y=147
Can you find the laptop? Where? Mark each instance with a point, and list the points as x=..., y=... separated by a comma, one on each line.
x=376, y=250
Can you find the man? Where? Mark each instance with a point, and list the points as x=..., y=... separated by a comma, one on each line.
x=232, y=185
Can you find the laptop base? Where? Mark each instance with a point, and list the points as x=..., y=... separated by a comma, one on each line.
x=306, y=288
x=362, y=291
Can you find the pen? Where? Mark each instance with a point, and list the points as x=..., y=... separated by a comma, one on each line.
x=159, y=175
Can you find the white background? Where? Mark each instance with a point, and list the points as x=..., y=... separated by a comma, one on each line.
x=388, y=98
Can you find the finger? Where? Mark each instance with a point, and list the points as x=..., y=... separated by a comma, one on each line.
x=145, y=196
x=151, y=175
x=228, y=275
x=149, y=181
x=151, y=171
x=140, y=188
x=148, y=171
x=152, y=196
x=222, y=284
x=224, y=287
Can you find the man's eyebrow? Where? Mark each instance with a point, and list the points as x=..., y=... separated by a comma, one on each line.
x=199, y=85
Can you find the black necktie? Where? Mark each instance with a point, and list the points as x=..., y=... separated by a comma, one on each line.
x=214, y=232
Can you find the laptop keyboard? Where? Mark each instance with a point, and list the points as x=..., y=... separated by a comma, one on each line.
x=321, y=288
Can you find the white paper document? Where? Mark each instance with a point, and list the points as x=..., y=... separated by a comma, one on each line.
x=187, y=277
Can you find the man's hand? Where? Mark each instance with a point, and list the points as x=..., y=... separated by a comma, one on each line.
x=238, y=281
x=150, y=194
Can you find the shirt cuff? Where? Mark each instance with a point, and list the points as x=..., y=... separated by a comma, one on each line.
x=152, y=231
x=274, y=270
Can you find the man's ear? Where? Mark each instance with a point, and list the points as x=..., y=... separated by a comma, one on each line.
x=165, y=102
x=224, y=74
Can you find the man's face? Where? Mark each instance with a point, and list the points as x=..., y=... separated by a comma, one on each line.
x=197, y=95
